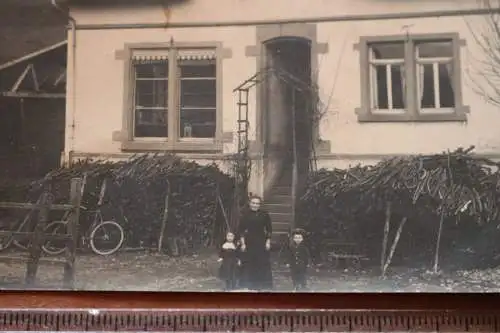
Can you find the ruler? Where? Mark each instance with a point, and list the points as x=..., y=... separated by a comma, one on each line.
x=230, y=320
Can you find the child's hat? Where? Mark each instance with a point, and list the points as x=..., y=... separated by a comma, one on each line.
x=299, y=231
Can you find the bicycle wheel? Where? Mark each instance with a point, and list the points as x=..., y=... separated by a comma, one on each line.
x=106, y=238
x=5, y=243
x=56, y=246
x=24, y=242
x=6, y=240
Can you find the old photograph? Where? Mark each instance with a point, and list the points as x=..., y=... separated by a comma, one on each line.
x=250, y=146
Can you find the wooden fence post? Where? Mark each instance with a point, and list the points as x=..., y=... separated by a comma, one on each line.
x=72, y=240
x=38, y=237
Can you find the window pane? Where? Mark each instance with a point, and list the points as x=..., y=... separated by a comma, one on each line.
x=433, y=94
x=388, y=93
x=151, y=85
x=198, y=70
x=198, y=100
x=447, y=94
x=197, y=123
x=151, y=93
x=426, y=86
x=198, y=93
x=387, y=50
x=441, y=49
x=150, y=123
x=152, y=69
x=151, y=98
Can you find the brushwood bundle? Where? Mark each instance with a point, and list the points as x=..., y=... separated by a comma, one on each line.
x=456, y=184
x=136, y=195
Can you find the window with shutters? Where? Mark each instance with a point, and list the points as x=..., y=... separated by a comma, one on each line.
x=174, y=96
x=411, y=78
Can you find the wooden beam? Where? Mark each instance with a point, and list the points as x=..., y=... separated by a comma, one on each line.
x=61, y=77
x=22, y=205
x=76, y=193
x=14, y=259
x=35, y=78
x=20, y=79
x=33, y=95
x=37, y=238
x=23, y=234
x=33, y=55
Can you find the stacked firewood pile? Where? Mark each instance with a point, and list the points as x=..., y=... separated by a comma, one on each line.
x=431, y=188
x=145, y=195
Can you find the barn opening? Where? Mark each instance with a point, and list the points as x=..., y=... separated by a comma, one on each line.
x=32, y=113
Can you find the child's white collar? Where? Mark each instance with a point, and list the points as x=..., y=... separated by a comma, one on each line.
x=229, y=246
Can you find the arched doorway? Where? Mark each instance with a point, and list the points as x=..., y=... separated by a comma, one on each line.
x=287, y=104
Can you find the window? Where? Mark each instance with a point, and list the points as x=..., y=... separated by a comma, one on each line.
x=435, y=75
x=151, y=99
x=198, y=106
x=174, y=95
x=387, y=76
x=413, y=78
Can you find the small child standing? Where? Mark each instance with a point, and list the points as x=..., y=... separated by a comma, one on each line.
x=230, y=260
x=298, y=260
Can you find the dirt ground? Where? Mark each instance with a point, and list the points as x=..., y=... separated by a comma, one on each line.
x=155, y=272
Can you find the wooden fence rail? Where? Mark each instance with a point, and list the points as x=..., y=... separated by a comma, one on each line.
x=38, y=237
x=17, y=235
x=33, y=206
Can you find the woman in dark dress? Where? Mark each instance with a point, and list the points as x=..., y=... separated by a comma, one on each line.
x=255, y=232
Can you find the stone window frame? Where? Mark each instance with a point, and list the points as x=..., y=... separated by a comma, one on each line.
x=173, y=143
x=411, y=114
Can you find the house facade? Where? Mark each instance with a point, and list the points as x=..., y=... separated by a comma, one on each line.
x=369, y=78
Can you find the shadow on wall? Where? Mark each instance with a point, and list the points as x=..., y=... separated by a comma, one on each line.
x=409, y=1
x=126, y=3
x=273, y=168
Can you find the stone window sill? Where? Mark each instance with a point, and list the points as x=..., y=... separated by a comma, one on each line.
x=458, y=115
x=156, y=146
x=164, y=145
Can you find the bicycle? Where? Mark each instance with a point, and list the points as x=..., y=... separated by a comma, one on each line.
x=92, y=235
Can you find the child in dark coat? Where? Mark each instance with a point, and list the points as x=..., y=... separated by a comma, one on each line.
x=298, y=260
x=229, y=257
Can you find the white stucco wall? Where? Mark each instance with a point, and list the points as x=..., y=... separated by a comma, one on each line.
x=98, y=96
x=197, y=11
x=340, y=70
x=99, y=78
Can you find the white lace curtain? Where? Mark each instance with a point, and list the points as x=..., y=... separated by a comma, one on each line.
x=402, y=70
x=421, y=77
x=374, y=80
